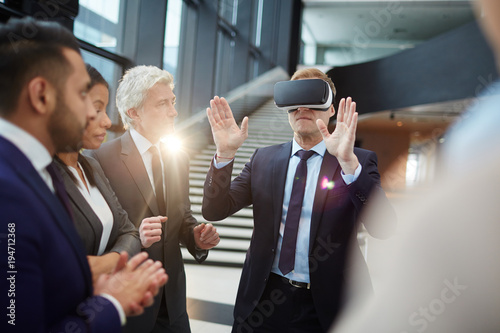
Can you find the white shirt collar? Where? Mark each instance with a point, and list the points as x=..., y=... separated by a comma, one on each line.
x=320, y=148
x=140, y=141
x=33, y=149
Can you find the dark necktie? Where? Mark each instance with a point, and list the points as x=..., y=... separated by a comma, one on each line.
x=59, y=187
x=287, y=256
x=158, y=180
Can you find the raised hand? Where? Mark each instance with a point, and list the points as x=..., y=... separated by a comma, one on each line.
x=228, y=137
x=341, y=142
x=206, y=236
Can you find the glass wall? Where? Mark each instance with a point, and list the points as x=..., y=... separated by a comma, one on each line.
x=226, y=43
x=227, y=13
x=172, y=36
x=225, y=61
x=100, y=23
x=228, y=10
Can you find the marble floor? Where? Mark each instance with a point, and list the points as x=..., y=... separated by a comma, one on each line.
x=211, y=292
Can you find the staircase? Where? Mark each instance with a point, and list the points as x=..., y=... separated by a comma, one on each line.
x=267, y=126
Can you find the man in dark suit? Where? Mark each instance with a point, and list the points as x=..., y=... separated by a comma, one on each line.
x=149, y=181
x=293, y=279
x=45, y=276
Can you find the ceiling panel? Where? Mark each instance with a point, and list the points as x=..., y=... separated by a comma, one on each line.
x=374, y=29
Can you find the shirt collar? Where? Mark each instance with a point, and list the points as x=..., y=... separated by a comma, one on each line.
x=33, y=149
x=319, y=149
x=140, y=141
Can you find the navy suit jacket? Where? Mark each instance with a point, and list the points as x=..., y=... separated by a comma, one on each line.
x=44, y=274
x=334, y=222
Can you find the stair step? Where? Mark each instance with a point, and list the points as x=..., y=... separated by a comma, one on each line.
x=235, y=233
x=231, y=221
x=240, y=154
x=222, y=258
x=233, y=244
x=244, y=212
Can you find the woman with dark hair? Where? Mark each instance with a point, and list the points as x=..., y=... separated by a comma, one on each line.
x=100, y=220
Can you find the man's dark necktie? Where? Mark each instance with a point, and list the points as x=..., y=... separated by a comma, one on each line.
x=158, y=180
x=287, y=256
x=59, y=187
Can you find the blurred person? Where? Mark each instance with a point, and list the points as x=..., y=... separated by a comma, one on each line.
x=46, y=280
x=151, y=181
x=100, y=220
x=443, y=271
x=293, y=279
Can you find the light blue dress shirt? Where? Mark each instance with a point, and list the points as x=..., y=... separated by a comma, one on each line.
x=301, y=270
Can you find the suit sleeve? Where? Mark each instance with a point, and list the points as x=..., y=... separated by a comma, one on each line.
x=221, y=197
x=38, y=303
x=367, y=189
x=128, y=236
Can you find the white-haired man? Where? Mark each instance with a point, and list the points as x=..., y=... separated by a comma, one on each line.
x=149, y=181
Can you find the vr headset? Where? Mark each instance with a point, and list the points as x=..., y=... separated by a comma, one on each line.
x=314, y=94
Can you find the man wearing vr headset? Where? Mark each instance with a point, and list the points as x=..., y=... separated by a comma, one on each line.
x=307, y=195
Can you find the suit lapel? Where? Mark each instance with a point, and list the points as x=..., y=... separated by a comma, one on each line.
x=326, y=175
x=133, y=161
x=82, y=205
x=280, y=168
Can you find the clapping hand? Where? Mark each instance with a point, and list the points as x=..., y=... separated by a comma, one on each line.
x=134, y=283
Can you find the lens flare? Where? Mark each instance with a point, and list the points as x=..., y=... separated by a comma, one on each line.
x=173, y=143
x=327, y=184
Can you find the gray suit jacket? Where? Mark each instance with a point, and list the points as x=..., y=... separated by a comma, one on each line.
x=128, y=177
x=124, y=236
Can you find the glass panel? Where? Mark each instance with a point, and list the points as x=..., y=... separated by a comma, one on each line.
x=254, y=68
x=258, y=24
x=172, y=36
x=228, y=10
x=111, y=72
x=109, y=9
x=225, y=58
x=101, y=23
